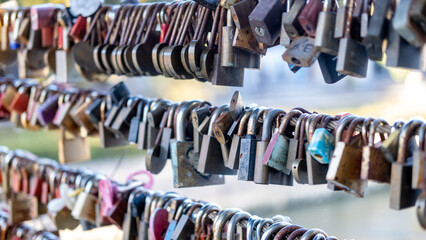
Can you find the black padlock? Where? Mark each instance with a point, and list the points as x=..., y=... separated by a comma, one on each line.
x=265, y=21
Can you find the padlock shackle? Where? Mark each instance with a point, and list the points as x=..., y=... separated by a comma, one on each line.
x=326, y=121
x=311, y=233
x=232, y=225
x=299, y=124
x=274, y=228
x=422, y=135
x=314, y=123
x=253, y=120
x=287, y=119
x=373, y=129
x=182, y=119
x=221, y=219
x=170, y=118
x=242, y=128
x=267, y=123
x=341, y=126
x=215, y=115
x=407, y=131
x=206, y=209
x=260, y=225
x=365, y=130
x=351, y=129
x=251, y=223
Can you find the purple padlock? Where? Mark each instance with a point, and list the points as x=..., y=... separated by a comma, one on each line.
x=47, y=110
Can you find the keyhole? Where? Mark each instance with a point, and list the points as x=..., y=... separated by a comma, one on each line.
x=295, y=60
x=308, y=28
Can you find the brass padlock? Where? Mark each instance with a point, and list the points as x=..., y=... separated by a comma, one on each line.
x=345, y=167
x=84, y=207
x=374, y=166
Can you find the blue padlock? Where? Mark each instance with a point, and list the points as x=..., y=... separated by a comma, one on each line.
x=321, y=145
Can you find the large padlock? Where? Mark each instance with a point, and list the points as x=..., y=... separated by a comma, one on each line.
x=345, y=167
x=377, y=30
x=324, y=39
x=261, y=170
x=374, y=166
x=211, y=159
x=248, y=147
x=402, y=194
x=184, y=175
x=265, y=21
x=405, y=27
x=276, y=154
x=84, y=207
x=419, y=159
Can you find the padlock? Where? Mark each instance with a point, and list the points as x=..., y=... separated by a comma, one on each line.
x=324, y=38
x=135, y=122
x=248, y=147
x=276, y=154
x=182, y=155
x=74, y=149
x=345, y=167
x=211, y=159
x=200, y=121
x=167, y=135
x=234, y=151
x=352, y=57
x=185, y=226
x=153, y=161
x=341, y=20
x=261, y=170
x=374, y=166
x=421, y=200
x=322, y=144
x=62, y=118
x=309, y=16
x=389, y=146
x=417, y=14
x=143, y=126
x=121, y=123
x=299, y=168
x=418, y=160
x=327, y=65
x=10, y=94
x=316, y=170
x=136, y=204
x=401, y=53
x=42, y=16
x=85, y=205
x=377, y=31
x=47, y=110
x=301, y=52
x=402, y=195
x=293, y=145
x=20, y=102
x=180, y=210
x=403, y=24
x=291, y=22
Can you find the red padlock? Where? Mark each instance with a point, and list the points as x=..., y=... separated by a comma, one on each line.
x=78, y=30
x=42, y=16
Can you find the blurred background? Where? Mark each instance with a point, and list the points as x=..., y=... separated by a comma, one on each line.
x=386, y=93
